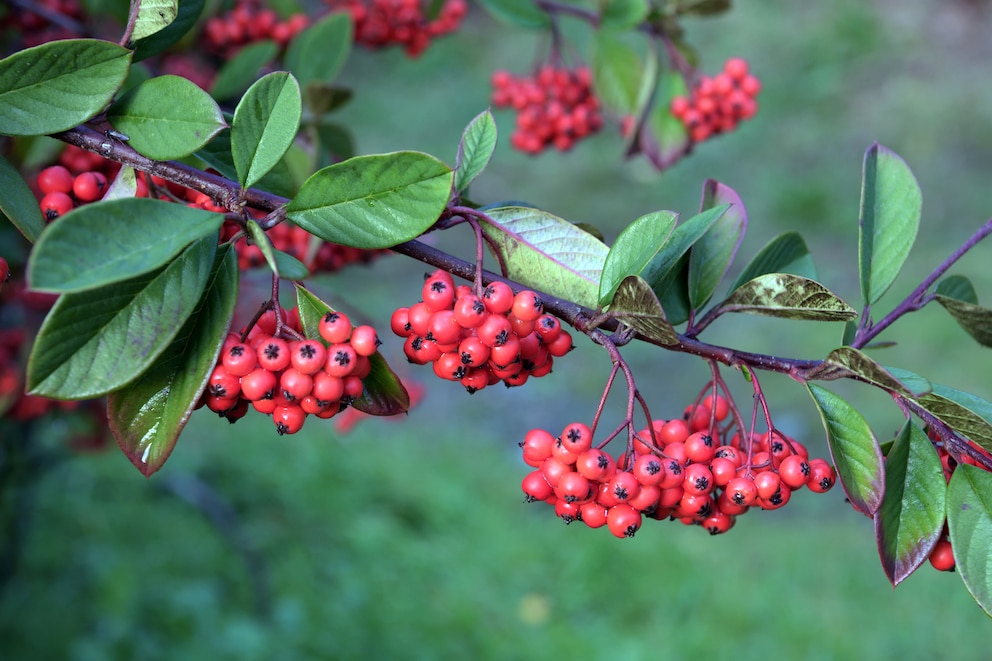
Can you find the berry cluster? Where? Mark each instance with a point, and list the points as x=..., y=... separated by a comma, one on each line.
x=681, y=471
x=480, y=340
x=718, y=104
x=37, y=27
x=290, y=379
x=556, y=107
x=79, y=177
x=405, y=23
x=247, y=22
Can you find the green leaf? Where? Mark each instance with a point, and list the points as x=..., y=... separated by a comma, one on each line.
x=18, y=203
x=94, y=342
x=167, y=130
x=911, y=517
x=265, y=125
x=957, y=295
x=891, y=205
x=124, y=185
x=384, y=392
x=518, y=13
x=714, y=252
x=58, y=85
x=545, y=252
x=967, y=414
x=634, y=250
x=912, y=382
x=188, y=14
x=674, y=292
x=622, y=14
x=97, y=244
x=969, y=522
x=790, y=297
x=636, y=305
x=786, y=253
x=846, y=362
x=373, y=201
x=289, y=267
x=148, y=415
x=618, y=73
x=957, y=287
x=664, y=140
x=153, y=16
x=660, y=272
x=239, y=72
x=319, y=52
x=854, y=450
x=475, y=149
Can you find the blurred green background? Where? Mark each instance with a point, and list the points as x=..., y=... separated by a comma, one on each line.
x=410, y=539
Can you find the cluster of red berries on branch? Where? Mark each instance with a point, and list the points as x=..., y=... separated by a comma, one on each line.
x=480, y=340
x=555, y=108
x=79, y=177
x=404, y=23
x=34, y=28
x=249, y=21
x=687, y=469
x=287, y=376
x=718, y=104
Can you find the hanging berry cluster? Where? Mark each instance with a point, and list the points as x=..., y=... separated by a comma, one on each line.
x=555, y=108
x=480, y=340
x=404, y=23
x=718, y=104
x=685, y=468
x=290, y=377
x=249, y=21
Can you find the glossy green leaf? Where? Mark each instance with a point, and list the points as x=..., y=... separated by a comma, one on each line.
x=319, y=52
x=58, y=85
x=854, y=450
x=18, y=203
x=673, y=292
x=660, y=272
x=786, y=253
x=289, y=267
x=321, y=98
x=94, y=342
x=911, y=381
x=124, y=185
x=164, y=131
x=967, y=414
x=148, y=415
x=265, y=125
x=475, y=149
x=238, y=73
x=543, y=251
x=790, y=297
x=957, y=295
x=714, y=252
x=957, y=287
x=911, y=517
x=622, y=14
x=518, y=13
x=153, y=16
x=891, y=205
x=188, y=13
x=636, y=305
x=373, y=201
x=847, y=362
x=384, y=392
x=97, y=244
x=634, y=250
x=969, y=522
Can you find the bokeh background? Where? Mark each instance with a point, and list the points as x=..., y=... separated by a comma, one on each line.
x=410, y=539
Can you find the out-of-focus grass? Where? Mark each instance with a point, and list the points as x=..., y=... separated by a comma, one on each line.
x=411, y=541
x=379, y=545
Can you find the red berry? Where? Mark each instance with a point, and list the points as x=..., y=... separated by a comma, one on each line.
x=89, y=186
x=55, y=179
x=307, y=356
x=55, y=204
x=623, y=520
x=334, y=327
x=288, y=419
x=365, y=340
x=273, y=354
x=942, y=556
